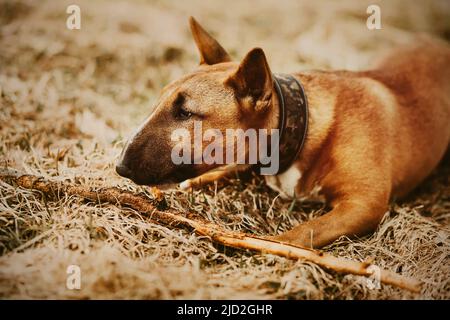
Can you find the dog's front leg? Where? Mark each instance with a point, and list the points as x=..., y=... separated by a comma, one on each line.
x=213, y=176
x=347, y=218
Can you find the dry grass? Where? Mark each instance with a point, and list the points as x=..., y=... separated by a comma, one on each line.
x=68, y=99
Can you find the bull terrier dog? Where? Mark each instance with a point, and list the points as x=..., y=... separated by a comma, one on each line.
x=356, y=138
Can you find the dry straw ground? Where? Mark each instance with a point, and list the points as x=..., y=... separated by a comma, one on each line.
x=69, y=98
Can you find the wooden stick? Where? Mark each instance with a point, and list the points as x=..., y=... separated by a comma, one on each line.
x=202, y=227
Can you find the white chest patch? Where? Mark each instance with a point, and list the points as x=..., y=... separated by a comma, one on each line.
x=286, y=182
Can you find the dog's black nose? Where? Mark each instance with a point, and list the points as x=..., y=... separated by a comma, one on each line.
x=124, y=171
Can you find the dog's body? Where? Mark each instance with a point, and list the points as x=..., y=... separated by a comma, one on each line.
x=372, y=135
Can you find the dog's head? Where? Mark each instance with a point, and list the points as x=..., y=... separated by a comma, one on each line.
x=219, y=93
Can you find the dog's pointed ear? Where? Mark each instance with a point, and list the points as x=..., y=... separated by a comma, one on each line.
x=211, y=52
x=252, y=82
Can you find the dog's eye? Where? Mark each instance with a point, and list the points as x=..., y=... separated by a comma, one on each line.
x=184, y=114
x=180, y=111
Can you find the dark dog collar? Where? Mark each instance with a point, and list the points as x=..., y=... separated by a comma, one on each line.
x=293, y=121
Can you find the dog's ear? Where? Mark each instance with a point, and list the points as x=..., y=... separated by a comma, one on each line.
x=252, y=82
x=211, y=52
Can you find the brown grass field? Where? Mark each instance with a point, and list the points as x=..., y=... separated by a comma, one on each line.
x=69, y=99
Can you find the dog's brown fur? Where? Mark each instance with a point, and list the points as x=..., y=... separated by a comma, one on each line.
x=373, y=135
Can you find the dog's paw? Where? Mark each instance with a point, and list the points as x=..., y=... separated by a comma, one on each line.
x=186, y=184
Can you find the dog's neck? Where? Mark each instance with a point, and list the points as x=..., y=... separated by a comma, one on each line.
x=305, y=172
x=290, y=116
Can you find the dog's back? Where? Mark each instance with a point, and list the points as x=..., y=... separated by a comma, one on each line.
x=418, y=76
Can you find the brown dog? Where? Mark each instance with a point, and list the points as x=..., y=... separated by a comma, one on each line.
x=372, y=135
